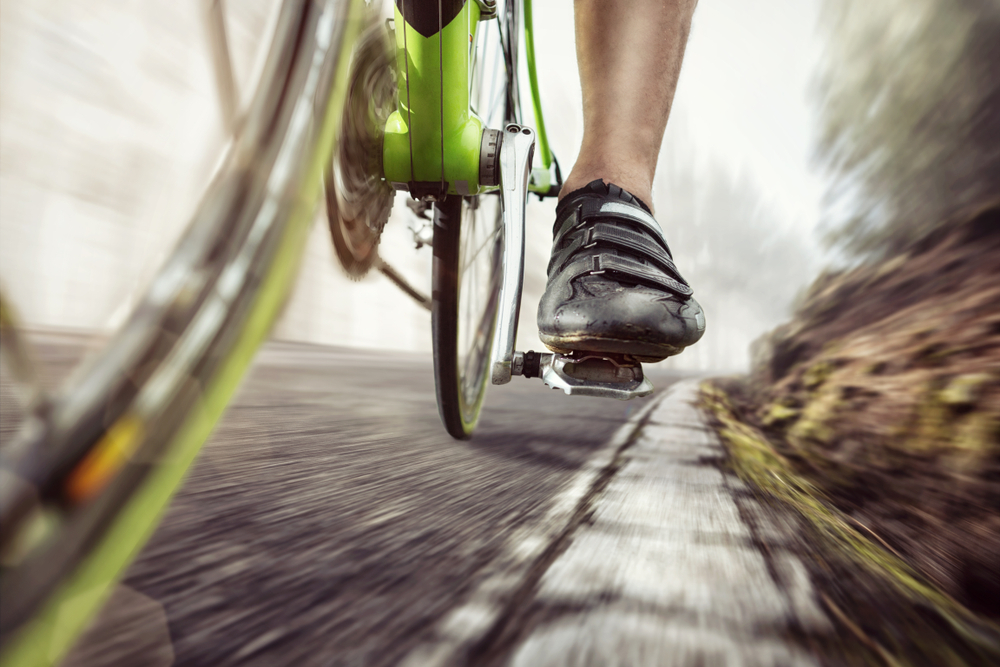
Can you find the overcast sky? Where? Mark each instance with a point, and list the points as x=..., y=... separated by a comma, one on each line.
x=742, y=95
x=744, y=90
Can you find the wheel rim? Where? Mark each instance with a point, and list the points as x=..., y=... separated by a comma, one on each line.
x=479, y=259
x=480, y=253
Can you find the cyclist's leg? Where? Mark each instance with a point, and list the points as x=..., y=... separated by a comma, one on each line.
x=612, y=285
x=629, y=54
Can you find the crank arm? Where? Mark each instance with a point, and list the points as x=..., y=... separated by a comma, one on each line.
x=516, y=151
x=586, y=374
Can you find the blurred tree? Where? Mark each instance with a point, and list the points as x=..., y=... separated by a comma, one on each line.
x=744, y=257
x=910, y=118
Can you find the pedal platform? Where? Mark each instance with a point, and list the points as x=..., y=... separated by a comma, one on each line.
x=585, y=373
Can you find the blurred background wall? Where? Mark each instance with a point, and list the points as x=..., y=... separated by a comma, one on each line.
x=109, y=129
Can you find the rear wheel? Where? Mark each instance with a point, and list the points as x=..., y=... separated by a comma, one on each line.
x=468, y=251
x=468, y=244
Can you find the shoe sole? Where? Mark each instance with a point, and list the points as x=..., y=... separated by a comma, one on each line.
x=642, y=351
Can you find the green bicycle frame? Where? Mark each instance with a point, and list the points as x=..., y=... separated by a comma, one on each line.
x=432, y=141
x=433, y=116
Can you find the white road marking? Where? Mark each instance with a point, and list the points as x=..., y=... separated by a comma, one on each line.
x=665, y=572
x=469, y=622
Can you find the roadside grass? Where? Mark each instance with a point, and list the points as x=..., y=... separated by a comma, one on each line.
x=923, y=624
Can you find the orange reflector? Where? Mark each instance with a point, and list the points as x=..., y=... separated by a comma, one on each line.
x=107, y=457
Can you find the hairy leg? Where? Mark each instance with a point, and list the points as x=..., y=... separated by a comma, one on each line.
x=629, y=53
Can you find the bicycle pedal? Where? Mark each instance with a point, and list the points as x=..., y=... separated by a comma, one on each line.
x=585, y=373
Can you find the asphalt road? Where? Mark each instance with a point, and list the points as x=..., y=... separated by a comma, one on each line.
x=331, y=520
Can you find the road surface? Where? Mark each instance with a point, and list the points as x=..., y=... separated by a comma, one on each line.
x=330, y=520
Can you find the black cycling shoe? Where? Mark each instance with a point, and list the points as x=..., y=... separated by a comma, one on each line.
x=613, y=286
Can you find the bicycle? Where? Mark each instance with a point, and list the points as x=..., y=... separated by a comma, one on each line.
x=445, y=153
x=414, y=109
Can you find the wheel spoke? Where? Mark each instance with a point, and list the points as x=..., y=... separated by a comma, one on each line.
x=477, y=302
x=469, y=293
x=225, y=83
x=486, y=242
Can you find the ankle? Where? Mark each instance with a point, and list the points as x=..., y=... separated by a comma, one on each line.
x=637, y=186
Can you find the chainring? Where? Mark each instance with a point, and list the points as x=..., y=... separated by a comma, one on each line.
x=358, y=199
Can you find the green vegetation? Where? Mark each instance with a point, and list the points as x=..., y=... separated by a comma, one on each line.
x=910, y=118
x=874, y=414
x=837, y=536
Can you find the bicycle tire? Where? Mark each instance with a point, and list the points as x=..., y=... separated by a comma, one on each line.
x=461, y=372
x=466, y=289
x=143, y=407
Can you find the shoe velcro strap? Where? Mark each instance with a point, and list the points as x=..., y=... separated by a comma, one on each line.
x=619, y=210
x=605, y=234
x=629, y=269
x=575, y=217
